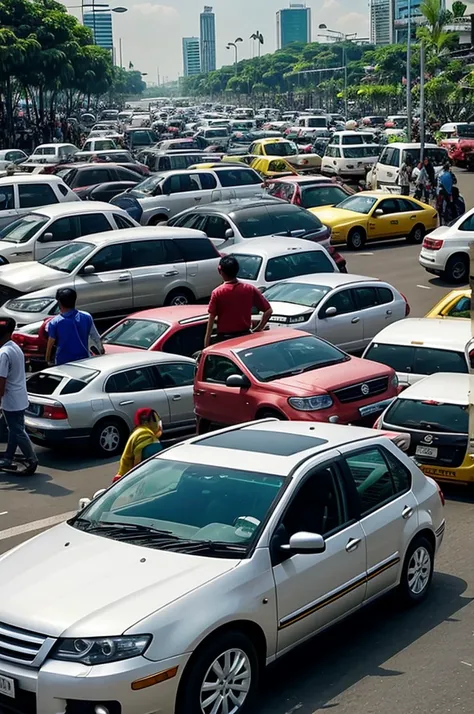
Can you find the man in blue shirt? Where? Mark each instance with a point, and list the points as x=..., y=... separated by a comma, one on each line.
x=71, y=331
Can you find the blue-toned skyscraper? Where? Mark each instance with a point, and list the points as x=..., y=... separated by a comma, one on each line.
x=208, y=40
x=191, y=56
x=401, y=18
x=293, y=25
x=100, y=22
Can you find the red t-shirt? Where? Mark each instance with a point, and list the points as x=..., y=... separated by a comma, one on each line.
x=232, y=303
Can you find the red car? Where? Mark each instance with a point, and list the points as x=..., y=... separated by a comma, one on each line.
x=308, y=191
x=32, y=339
x=291, y=375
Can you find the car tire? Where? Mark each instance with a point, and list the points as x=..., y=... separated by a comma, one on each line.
x=457, y=269
x=417, y=572
x=416, y=235
x=270, y=414
x=241, y=657
x=180, y=296
x=203, y=426
x=157, y=220
x=356, y=239
x=108, y=437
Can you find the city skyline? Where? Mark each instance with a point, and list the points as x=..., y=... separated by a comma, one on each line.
x=99, y=21
x=207, y=35
x=191, y=56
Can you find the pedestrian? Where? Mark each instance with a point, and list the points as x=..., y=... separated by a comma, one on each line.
x=143, y=442
x=405, y=176
x=231, y=305
x=422, y=189
x=446, y=182
x=14, y=399
x=72, y=331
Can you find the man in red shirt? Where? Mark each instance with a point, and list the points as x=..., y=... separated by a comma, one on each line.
x=231, y=304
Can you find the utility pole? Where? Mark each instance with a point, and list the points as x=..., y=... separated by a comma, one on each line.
x=422, y=100
x=120, y=52
x=344, y=62
x=409, y=111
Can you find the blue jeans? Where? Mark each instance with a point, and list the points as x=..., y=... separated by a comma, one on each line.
x=17, y=436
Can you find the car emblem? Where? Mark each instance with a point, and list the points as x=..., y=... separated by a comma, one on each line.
x=365, y=389
x=428, y=438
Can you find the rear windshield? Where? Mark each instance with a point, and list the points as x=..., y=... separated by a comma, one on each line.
x=360, y=152
x=465, y=131
x=411, y=413
x=292, y=265
x=417, y=360
x=437, y=156
x=42, y=383
x=140, y=334
x=302, y=294
x=76, y=379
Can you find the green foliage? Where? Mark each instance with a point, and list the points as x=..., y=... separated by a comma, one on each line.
x=458, y=8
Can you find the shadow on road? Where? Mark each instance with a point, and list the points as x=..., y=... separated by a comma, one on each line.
x=41, y=483
x=438, y=282
x=312, y=676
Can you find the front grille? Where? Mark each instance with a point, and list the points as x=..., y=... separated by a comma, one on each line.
x=7, y=294
x=19, y=646
x=24, y=703
x=363, y=390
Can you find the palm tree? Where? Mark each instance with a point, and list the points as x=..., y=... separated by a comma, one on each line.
x=259, y=37
x=433, y=33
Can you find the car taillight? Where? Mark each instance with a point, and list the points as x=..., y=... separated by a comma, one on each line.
x=432, y=243
x=379, y=422
x=407, y=305
x=56, y=411
x=441, y=495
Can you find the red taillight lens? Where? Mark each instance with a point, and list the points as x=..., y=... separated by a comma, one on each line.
x=54, y=412
x=432, y=243
x=378, y=423
x=441, y=495
x=407, y=306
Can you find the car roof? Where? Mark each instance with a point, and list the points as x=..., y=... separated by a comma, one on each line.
x=312, y=180
x=281, y=445
x=272, y=246
x=427, y=332
x=141, y=233
x=49, y=146
x=176, y=314
x=236, y=204
x=120, y=360
x=72, y=207
x=446, y=388
x=412, y=145
x=32, y=178
x=331, y=280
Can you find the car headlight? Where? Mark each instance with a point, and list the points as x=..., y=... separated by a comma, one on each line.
x=395, y=381
x=29, y=305
x=100, y=650
x=310, y=404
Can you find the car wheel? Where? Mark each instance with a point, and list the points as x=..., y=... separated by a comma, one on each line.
x=108, y=438
x=221, y=678
x=180, y=296
x=270, y=414
x=417, y=572
x=416, y=235
x=157, y=220
x=457, y=269
x=356, y=239
x=203, y=426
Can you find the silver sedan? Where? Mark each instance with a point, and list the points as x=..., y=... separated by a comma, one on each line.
x=94, y=401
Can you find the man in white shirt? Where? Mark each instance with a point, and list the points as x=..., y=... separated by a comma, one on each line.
x=14, y=398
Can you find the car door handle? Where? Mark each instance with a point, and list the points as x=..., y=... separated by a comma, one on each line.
x=212, y=394
x=170, y=273
x=197, y=198
x=176, y=397
x=407, y=512
x=124, y=278
x=353, y=544
x=355, y=320
x=126, y=403
x=394, y=223
x=389, y=312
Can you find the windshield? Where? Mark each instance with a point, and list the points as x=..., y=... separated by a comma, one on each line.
x=303, y=294
x=315, y=196
x=317, y=122
x=68, y=257
x=149, y=185
x=418, y=414
x=249, y=266
x=360, y=152
x=185, y=507
x=290, y=357
x=437, y=156
x=141, y=334
x=25, y=228
x=222, y=131
x=281, y=148
x=417, y=360
x=292, y=265
x=358, y=204
x=465, y=131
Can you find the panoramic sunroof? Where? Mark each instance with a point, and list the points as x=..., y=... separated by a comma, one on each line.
x=262, y=442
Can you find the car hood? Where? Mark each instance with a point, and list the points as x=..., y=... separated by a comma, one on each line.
x=71, y=583
x=337, y=376
x=337, y=216
x=29, y=275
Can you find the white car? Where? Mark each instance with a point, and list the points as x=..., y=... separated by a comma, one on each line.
x=349, y=153
x=266, y=261
x=11, y=156
x=99, y=144
x=393, y=156
x=173, y=590
x=51, y=154
x=346, y=310
x=22, y=193
x=420, y=346
x=445, y=251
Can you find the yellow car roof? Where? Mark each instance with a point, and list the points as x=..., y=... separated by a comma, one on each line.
x=271, y=140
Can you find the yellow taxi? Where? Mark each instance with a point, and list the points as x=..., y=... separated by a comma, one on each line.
x=269, y=167
x=456, y=303
x=285, y=149
x=375, y=215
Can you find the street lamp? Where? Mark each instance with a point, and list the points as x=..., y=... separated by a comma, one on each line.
x=344, y=38
x=234, y=45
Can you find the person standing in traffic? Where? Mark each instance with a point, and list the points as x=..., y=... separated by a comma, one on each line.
x=14, y=398
x=231, y=305
x=71, y=331
x=446, y=182
x=405, y=176
x=143, y=442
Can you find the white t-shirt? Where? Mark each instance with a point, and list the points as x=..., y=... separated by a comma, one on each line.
x=12, y=367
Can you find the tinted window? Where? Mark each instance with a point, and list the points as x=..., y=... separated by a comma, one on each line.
x=399, y=357
x=152, y=252
x=193, y=249
x=36, y=194
x=467, y=225
x=43, y=383
x=389, y=206
x=216, y=227
x=122, y=222
x=109, y=258
x=208, y=181
x=343, y=301
x=315, y=196
x=62, y=189
x=141, y=379
x=217, y=369
x=180, y=374
x=6, y=198
x=254, y=222
x=180, y=183
x=384, y=296
x=90, y=177
x=94, y=223
x=249, y=266
x=186, y=341
x=63, y=229
x=411, y=413
x=429, y=361
x=127, y=175
x=293, y=218
x=239, y=177
x=406, y=205
x=366, y=297
x=373, y=478
x=290, y=266
x=141, y=334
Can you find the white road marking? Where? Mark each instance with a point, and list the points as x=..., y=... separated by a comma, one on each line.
x=466, y=663
x=35, y=525
x=3, y=513
x=424, y=287
x=365, y=254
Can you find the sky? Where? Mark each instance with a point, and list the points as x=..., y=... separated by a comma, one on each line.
x=152, y=31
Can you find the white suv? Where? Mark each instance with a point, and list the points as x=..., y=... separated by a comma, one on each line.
x=22, y=194
x=445, y=251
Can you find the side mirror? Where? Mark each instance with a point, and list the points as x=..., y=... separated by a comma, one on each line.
x=83, y=503
x=229, y=233
x=240, y=381
x=330, y=312
x=305, y=543
x=98, y=493
x=89, y=270
x=378, y=213
x=47, y=237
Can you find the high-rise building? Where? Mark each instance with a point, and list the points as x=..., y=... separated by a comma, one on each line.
x=208, y=40
x=293, y=24
x=401, y=18
x=191, y=56
x=381, y=22
x=100, y=22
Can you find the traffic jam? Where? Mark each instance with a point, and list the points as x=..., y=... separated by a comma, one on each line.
x=180, y=288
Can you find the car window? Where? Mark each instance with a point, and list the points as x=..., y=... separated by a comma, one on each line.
x=467, y=225
x=208, y=181
x=36, y=194
x=462, y=308
x=151, y=252
x=315, y=196
x=386, y=156
x=62, y=189
x=187, y=183
x=281, y=190
x=239, y=177
x=395, y=158
x=399, y=357
x=140, y=334
x=186, y=341
x=126, y=175
x=385, y=296
x=195, y=249
x=343, y=301
x=141, y=379
x=123, y=222
x=179, y=374
x=63, y=229
x=440, y=417
x=106, y=259
x=24, y=228
x=292, y=265
x=292, y=218
x=186, y=221
x=94, y=223
x=217, y=369
x=216, y=227
x=390, y=205
x=91, y=177
x=366, y=297
x=378, y=477
x=319, y=506
x=6, y=198
x=254, y=222
x=406, y=205
x=429, y=361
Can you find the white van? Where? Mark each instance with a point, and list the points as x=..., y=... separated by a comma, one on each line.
x=313, y=122
x=417, y=347
x=394, y=155
x=349, y=154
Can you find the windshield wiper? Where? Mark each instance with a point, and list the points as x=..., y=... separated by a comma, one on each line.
x=318, y=365
x=197, y=546
x=120, y=528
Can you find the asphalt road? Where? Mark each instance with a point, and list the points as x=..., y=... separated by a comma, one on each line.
x=381, y=660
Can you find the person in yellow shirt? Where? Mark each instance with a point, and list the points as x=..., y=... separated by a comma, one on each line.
x=143, y=442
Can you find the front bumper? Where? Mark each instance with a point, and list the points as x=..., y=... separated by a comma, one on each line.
x=61, y=686
x=357, y=412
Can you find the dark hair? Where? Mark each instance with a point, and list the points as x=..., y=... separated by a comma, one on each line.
x=229, y=266
x=66, y=297
x=7, y=326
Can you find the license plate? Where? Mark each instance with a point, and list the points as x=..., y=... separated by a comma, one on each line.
x=374, y=408
x=7, y=686
x=34, y=409
x=430, y=451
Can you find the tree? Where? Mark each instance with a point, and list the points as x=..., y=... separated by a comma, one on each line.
x=458, y=8
x=433, y=34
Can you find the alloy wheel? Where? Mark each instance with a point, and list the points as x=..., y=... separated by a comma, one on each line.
x=458, y=271
x=226, y=684
x=109, y=439
x=180, y=300
x=419, y=570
